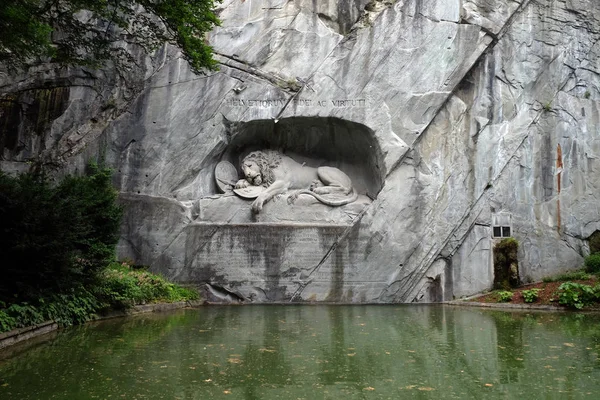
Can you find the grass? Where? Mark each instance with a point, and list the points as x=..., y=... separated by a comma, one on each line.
x=579, y=275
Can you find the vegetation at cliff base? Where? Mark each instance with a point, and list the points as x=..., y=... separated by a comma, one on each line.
x=578, y=295
x=57, y=242
x=504, y=296
x=576, y=290
x=119, y=287
x=592, y=263
x=55, y=236
x=531, y=295
x=88, y=32
x=506, y=264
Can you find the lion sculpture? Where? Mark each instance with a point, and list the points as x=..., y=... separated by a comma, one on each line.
x=279, y=173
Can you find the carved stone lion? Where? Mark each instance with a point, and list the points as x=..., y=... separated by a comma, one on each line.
x=279, y=173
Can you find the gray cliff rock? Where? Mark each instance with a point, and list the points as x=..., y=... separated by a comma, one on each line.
x=451, y=117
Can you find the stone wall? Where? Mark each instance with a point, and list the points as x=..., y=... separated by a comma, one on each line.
x=446, y=114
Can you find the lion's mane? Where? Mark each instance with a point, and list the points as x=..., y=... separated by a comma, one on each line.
x=267, y=161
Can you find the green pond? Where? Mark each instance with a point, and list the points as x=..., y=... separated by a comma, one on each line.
x=314, y=352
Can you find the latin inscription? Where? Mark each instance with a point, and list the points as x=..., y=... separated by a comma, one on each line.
x=278, y=103
x=254, y=253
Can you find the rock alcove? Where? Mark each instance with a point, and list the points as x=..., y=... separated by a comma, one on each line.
x=312, y=142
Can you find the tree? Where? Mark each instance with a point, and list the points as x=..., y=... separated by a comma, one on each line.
x=89, y=32
x=54, y=237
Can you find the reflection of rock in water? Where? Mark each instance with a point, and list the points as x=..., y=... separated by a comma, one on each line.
x=509, y=331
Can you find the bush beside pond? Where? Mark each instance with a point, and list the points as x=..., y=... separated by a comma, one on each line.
x=592, y=263
x=58, y=245
x=55, y=237
x=122, y=287
x=578, y=295
x=118, y=287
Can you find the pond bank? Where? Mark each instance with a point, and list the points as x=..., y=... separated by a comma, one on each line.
x=19, y=335
x=506, y=306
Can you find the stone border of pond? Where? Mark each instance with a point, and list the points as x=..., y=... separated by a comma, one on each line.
x=19, y=335
x=506, y=306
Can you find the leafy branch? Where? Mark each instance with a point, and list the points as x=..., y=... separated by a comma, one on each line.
x=90, y=32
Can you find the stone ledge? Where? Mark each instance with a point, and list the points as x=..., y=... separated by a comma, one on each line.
x=144, y=308
x=19, y=335
x=506, y=306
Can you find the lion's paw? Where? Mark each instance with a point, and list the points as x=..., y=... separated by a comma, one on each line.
x=293, y=197
x=315, y=184
x=322, y=190
x=257, y=206
x=242, y=183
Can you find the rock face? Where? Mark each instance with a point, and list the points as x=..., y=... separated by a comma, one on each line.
x=457, y=120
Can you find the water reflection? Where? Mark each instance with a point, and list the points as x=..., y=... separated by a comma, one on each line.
x=315, y=352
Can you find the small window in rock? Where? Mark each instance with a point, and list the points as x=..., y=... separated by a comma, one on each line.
x=501, y=225
x=501, y=231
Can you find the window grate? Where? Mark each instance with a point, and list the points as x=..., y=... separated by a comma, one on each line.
x=501, y=231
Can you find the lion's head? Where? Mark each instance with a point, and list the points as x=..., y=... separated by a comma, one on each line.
x=258, y=167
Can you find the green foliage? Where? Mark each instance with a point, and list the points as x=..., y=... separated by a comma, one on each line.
x=55, y=238
x=568, y=276
x=56, y=242
x=118, y=287
x=122, y=287
x=531, y=295
x=592, y=263
x=75, y=307
x=506, y=265
x=21, y=36
x=86, y=32
x=504, y=296
x=594, y=241
x=577, y=295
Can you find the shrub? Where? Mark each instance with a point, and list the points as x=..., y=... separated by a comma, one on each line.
x=123, y=287
x=592, y=263
x=577, y=295
x=531, y=295
x=75, y=307
x=117, y=287
x=7, y=322
x=594, y=241
x=504, y=296
x=55, y=237
x=56, y=242
x=506, y=265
